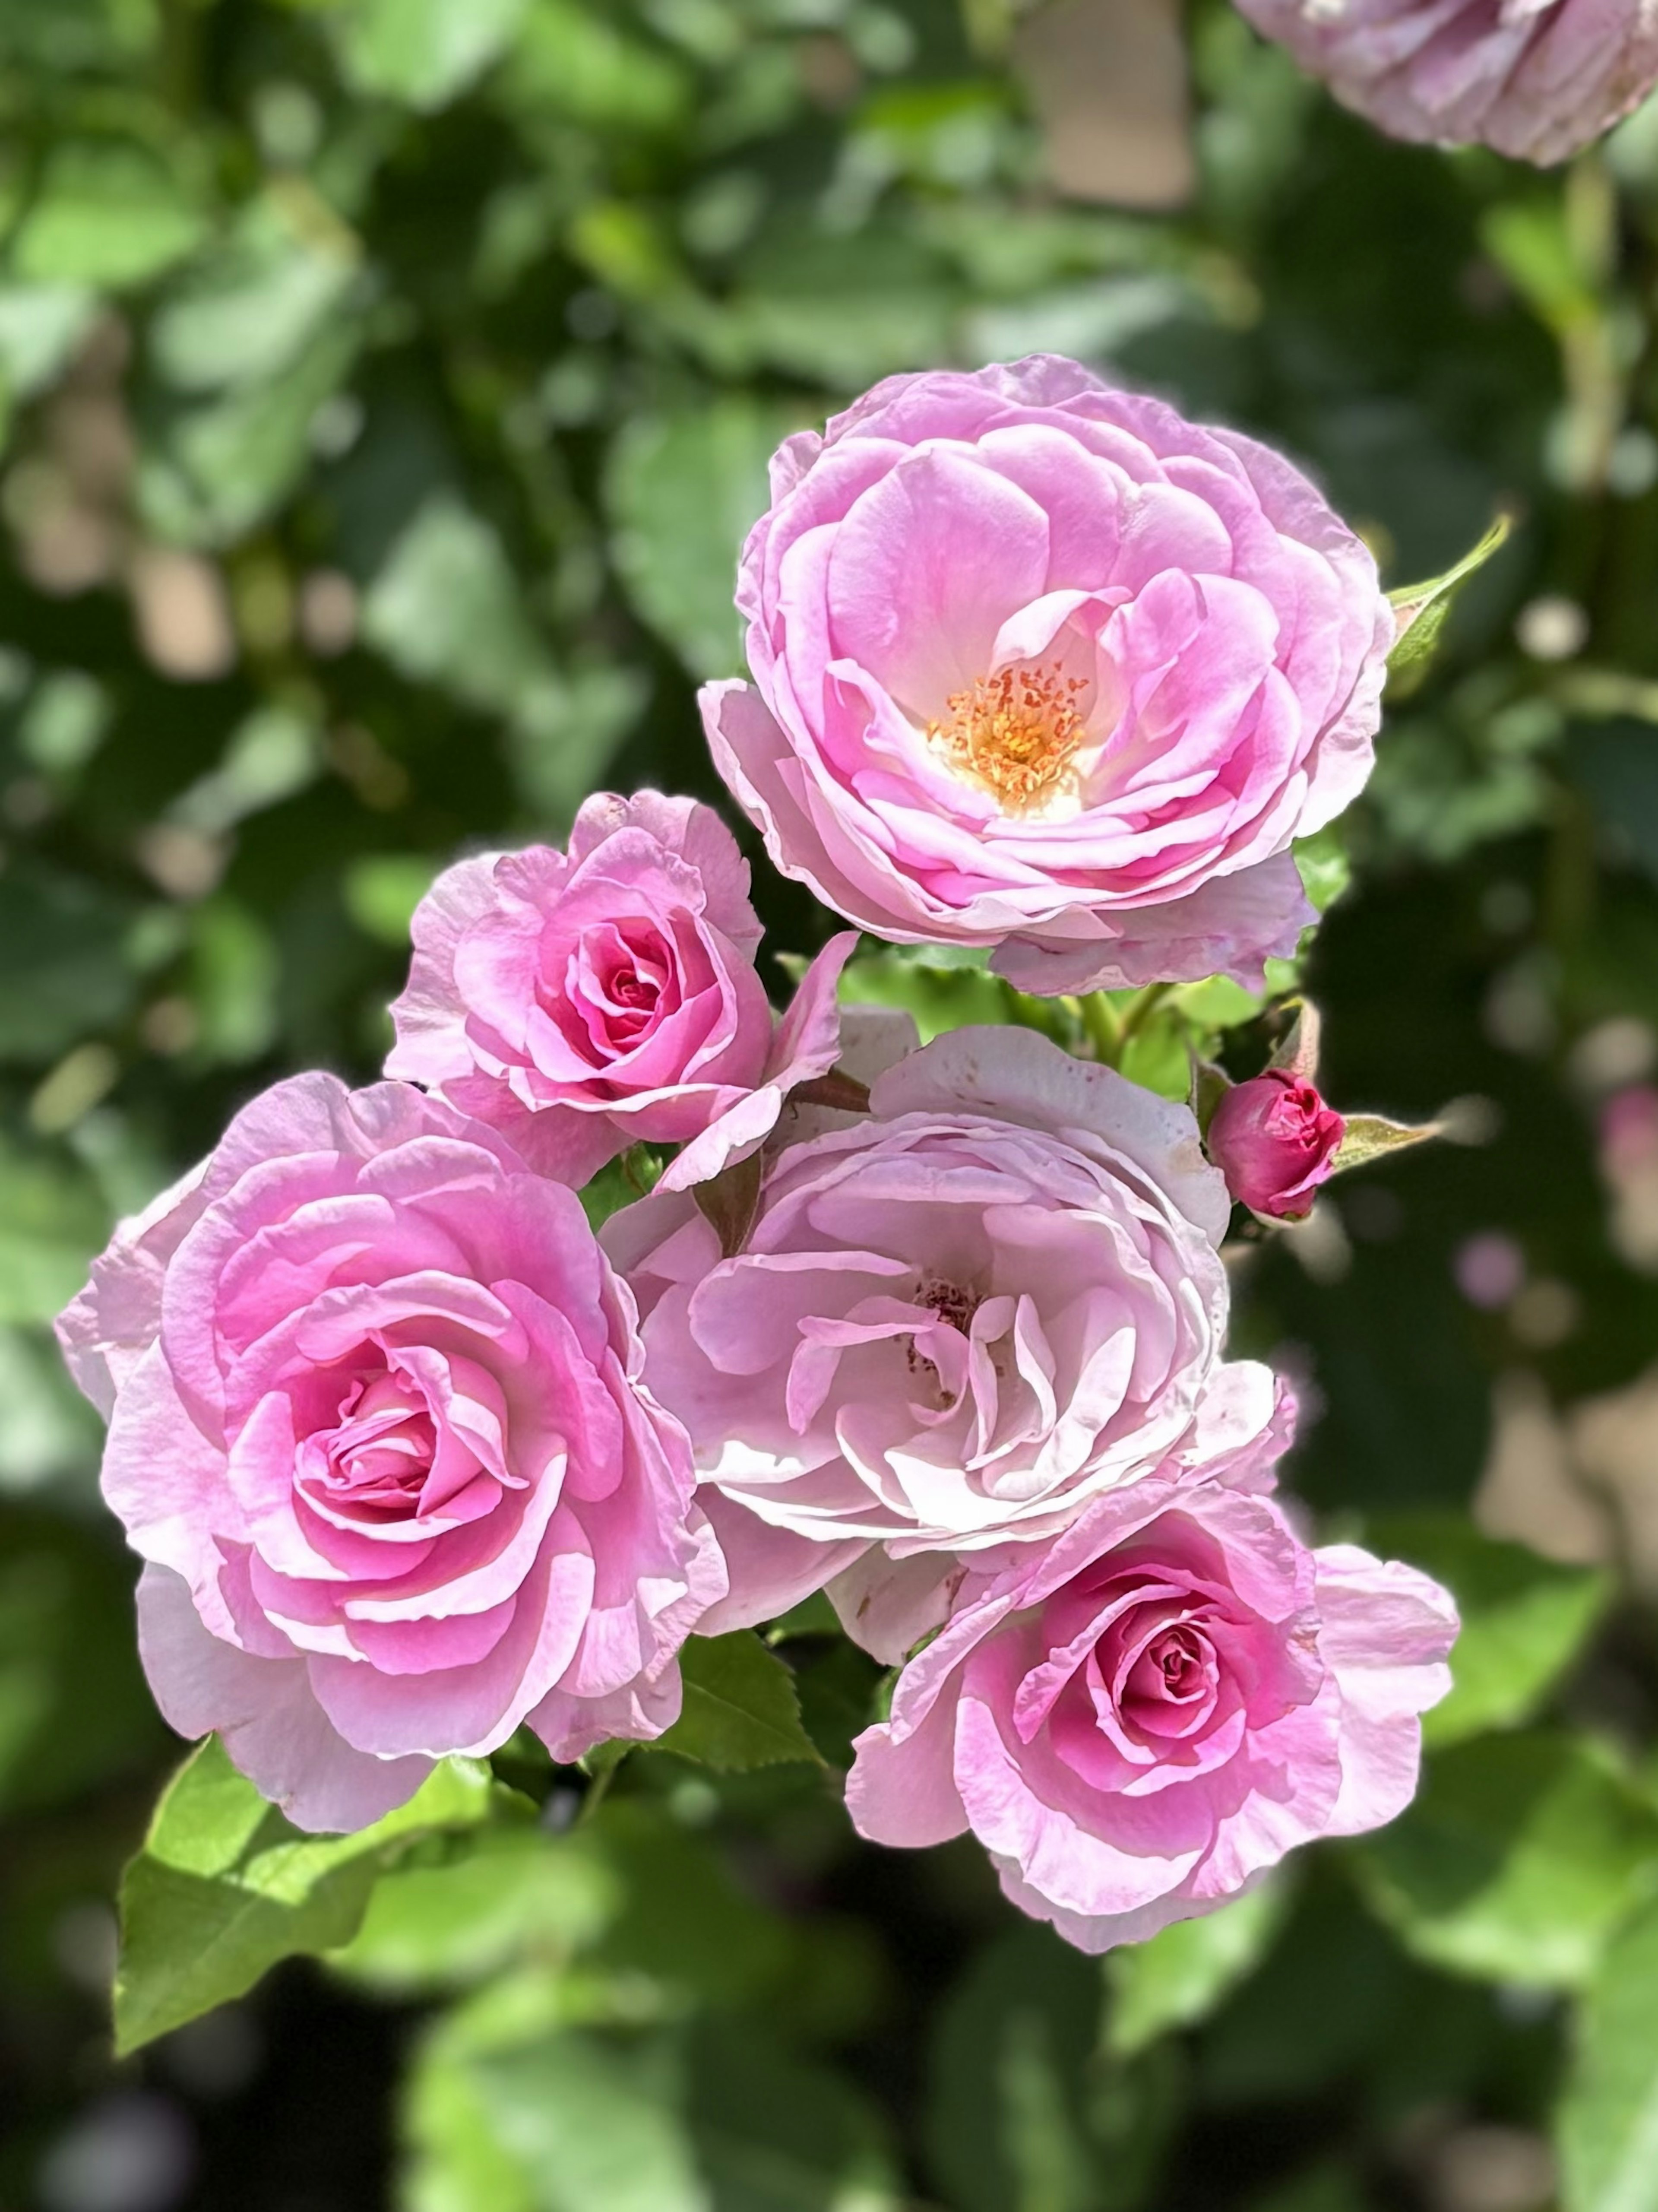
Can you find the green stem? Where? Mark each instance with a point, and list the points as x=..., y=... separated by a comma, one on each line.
x=1146, y=1005
x=1101, y=1026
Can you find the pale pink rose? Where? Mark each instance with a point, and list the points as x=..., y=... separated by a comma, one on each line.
x=1040, y=664
x=584, y=1001
x=1275, y=1141
x=1139, y=1721
x=1536, y=79
x=379, y=1430
x=953, y=1322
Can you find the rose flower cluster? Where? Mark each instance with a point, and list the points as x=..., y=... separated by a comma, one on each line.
x=415, y=1459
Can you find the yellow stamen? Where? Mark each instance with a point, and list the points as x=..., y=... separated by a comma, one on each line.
x=1014, y=733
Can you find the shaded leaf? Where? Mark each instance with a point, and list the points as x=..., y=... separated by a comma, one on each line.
x=1516, y=1862
x=682, y=491
x=1525, y=1619
x=1183, y=1973
x=731, y=1199
x=741, y=1709
x=1608, y=2127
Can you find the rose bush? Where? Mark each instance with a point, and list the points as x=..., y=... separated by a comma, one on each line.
x=1275, y=1141
x=1139, y=1721
x=953, y=1322
x=584, y=1001
x=1040, y=664
x=1536, y=79
x=377, y=1427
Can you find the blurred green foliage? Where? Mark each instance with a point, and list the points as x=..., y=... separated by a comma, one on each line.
x=384, y=385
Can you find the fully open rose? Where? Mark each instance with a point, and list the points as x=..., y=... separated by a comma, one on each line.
x=1537, y=79
x=1040, y=664
x=378, y=1427
x=1139, y=1721
x=586, y=1001
x=955, y=1322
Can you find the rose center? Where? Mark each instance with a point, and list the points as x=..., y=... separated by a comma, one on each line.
x=1016, y=734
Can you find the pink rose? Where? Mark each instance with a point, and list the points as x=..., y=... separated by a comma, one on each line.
x=955, y=1322
x=580, y=1002
x=1536, y=79
x=1275, y=1141
x=379, y=1430
x=1139, y=1721
x=1040, y=664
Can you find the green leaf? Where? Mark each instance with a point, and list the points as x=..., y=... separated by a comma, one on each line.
x=381, y=891
x=225, y=1887
x=244, y=313
x=940, y=997
x=1421, y=611
x=1608, y=2127
x=1516, y=1862
x=1371, y=1137
x=511, y=1893
x=1182, y=1973
x=73, y=1708
x=682, y=491
x=1525, y=1619
x=52, y=1220
x=446, y=609
x=740, y=1709
x=422, y=53
x=221, y=467
x=61, y=971
x=107, y=212
x=1022, y=2110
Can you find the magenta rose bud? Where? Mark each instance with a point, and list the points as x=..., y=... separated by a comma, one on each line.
x=1139, y=1720
x=583, y=1001
x=377, y=1428
x=955, y=1322
x=1275, y=1141
x=1042, y=665
x=1538, y=80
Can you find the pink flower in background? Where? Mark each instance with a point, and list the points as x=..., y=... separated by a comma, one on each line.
x=580, y=1002
x=954, y=1323
x=1275, y=1141
x=1040, y=664
x=378, y=1428
x=1139, y=1720
x=1536, y=79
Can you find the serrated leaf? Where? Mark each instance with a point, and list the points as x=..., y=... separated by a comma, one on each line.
x=1516, y=1862
x=1525, y=1619
x=1420, y=610
x=225, y=1887
x=1607, y=2129
x=1371, y=1137
x=741, y=1709
x=1183, y=1973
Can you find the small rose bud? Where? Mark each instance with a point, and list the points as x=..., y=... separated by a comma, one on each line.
x=1275, y=1141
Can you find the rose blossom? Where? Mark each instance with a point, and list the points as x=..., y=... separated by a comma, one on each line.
x=1040, y=664
x=953, y=1323
x=1275, y=1141
x=1140, y=1720
x=376, y=1424
x=582, y=1001
x=1536, y=79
